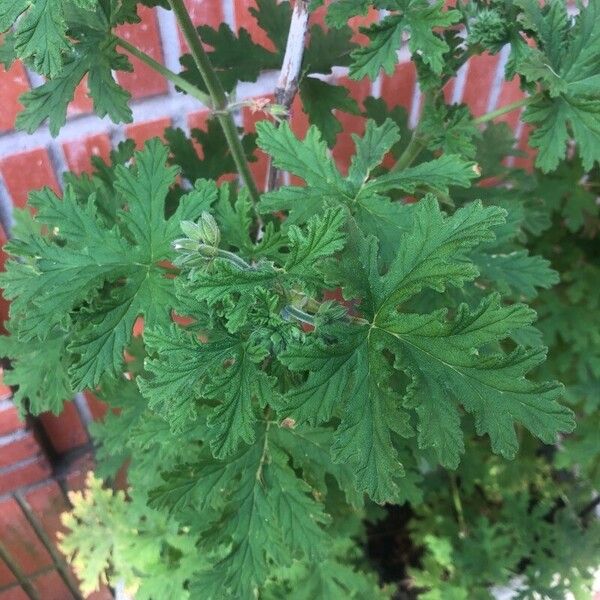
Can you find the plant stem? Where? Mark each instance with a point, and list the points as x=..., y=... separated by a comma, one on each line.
x=265, y=449
x=217, y=94
x=414, y=148
x=504, y=109
x=298, y=314
x=417, y=142
x=458, y=506
x=179, y=81
x=287, y=84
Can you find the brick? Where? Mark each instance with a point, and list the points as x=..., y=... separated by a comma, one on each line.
x=356, y=22
x=79, y=152
x=399, y=88
x=5, y=391
x=198, y=119
x=480, y=77
x=82, y=104
x=244, y=19
x=7, y=577
x=4, y=304
x=138, y=327
x=26, y=472
x=298, y=118
x=9, y=418
x=103, y=594
x=50, y=586
x=75, y=476
x=318, y=17
x=205, y=12
x=20, y=540
x=48, y=502
x=36, y=163
x=202, y=12
x=65, y=431
x=344, y=147
x=96, y=406
x=140, y=133
x=17, y=447
x=299, y=125
x=143, y=81
x=14, y=593
x=13, y=83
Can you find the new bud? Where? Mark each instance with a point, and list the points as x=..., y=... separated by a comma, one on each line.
x=211, y=235
x=185, y=245
x=206, y=231
x=191, y=230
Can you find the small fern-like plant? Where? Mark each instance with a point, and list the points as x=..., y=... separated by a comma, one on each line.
x=312, y=352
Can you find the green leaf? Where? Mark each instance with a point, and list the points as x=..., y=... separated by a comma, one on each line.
x=265, y=515
x=224, y=369
x=7, y=50
x=341, y=11
x=349, y=376
x=551, y=134
x=234, y=57
x=41, y=35
x=320, y=100
x=225, y=283
x=10, y=12
x=449, y=129
x=45, y=387
x=434, y=254
x=309, y=449
x=327, y=49
x=274, y=19
x=381, y=53
x=573, y=84
x=516, y=271
x=438, y=175
x=97, y=58
x=371, y=149
x=441, y=359
x=323, y=238
x=308, y=158
x=101, y=280
x=418, y=18
x=216, y=159
x=374, y=214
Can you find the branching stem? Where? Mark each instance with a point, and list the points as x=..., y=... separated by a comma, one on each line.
x=289, y=77
x=217, y=95
x=174, y=78
x=458, y=506
x=504, y=109
x=418, y=142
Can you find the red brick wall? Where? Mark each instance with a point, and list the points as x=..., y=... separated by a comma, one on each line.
x=43, y=458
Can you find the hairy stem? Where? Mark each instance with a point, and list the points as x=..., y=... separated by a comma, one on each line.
x=179, y=81
x=289, y=77
x=458, y=506
x=504, y=109
x=414, y=148
x=298, y=314
x=265, y=449
x=217, y=94
x=418, y=142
